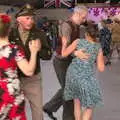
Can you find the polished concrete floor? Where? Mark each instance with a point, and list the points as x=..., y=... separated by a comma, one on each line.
x=110, y=83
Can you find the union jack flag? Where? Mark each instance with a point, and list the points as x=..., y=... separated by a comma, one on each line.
x=57, y=3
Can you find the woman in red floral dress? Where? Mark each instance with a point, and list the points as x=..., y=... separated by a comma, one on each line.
x=12, y=104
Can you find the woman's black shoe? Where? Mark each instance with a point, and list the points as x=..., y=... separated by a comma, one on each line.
x=50, y=114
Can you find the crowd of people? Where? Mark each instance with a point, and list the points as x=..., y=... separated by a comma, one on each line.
x=78, y=46
x=109, y=38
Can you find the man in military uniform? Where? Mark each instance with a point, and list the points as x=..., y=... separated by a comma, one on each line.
x=24, y=32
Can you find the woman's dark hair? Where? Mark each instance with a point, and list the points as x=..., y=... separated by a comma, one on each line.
x=92, y=31
x=5, y=22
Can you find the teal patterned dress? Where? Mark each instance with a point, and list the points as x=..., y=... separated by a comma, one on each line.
x=81, y=82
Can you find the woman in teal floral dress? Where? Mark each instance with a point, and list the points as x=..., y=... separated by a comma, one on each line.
x=81, y=83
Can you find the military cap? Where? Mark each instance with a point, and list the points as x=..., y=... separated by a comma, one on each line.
x=27, y=9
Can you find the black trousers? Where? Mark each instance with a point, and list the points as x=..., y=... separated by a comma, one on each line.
x=57, y=101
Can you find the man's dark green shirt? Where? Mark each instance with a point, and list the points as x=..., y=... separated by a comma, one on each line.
x=34, y=33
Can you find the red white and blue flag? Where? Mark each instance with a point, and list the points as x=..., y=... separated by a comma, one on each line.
x=57, y=3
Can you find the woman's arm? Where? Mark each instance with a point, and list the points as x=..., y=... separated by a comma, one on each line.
x=81, y=53
x=100, y=61
x=67, y=50
x=28, y=67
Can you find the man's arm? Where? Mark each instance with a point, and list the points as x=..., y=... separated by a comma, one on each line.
x=68, y=48
x=65, y=37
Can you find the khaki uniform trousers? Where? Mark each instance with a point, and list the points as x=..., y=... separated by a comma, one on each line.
x=32, y=88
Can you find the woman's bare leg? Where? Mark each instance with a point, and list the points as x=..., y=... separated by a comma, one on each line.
x=77, y=109
x=87, y=114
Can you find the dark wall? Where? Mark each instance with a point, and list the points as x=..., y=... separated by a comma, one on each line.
x=97, y=1
x=91, y=1
x=17, y=2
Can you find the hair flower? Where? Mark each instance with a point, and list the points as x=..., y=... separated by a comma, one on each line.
x=5, y=19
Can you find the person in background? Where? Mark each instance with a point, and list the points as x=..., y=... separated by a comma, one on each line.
x=50, y=27
x=115, y=44
x=105, y=40
x=12, y=102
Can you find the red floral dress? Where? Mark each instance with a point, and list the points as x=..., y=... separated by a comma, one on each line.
x=12, y=104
